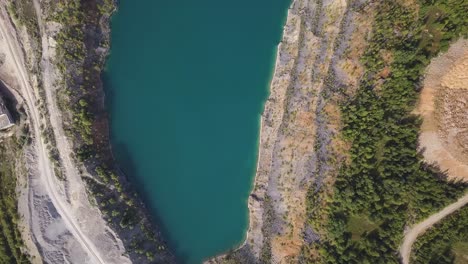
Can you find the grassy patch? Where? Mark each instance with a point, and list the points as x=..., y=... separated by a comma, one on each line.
x=386, y=177
x=460, y=250
x=11, y=244
x=445, y=243
x=360, y=225
x=432, y=32
x=23, y=12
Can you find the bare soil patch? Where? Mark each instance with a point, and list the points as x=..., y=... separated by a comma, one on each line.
x=444, y=108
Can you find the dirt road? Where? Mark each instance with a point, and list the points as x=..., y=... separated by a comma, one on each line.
x=45, y=165
x=412, y=235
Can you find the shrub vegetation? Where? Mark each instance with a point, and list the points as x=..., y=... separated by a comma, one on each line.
x=386, y=181
x=11, y=244
x=444, y=243
x=81, y=45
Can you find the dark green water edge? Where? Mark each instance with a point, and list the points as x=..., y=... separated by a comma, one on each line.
x=185, y=86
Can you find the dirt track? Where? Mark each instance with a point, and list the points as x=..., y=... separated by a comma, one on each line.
x=44, y=163
x=415, y=231
x=58, y=214
x=443, y=108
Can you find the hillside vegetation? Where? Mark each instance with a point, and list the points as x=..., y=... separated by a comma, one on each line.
x=11, y=244
x=82, y=45
x=446, y=242
x=385, y=183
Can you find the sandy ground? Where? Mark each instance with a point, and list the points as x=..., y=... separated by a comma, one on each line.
x=444, y=108
x=64, y=225
x=415, y=231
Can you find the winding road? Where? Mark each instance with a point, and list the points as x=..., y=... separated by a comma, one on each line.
x=48, y=177
x=415, y=231
x=44, y=164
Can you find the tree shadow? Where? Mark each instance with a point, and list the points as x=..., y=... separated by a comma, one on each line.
x=125, y=165
x=10, y=101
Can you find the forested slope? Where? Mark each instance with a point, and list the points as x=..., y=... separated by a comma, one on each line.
x=385, y=186
x=446, y=242
x=11, y=244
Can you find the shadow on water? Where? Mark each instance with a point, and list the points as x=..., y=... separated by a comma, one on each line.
x=184, y=97
x=124, y=162
x=127, y=166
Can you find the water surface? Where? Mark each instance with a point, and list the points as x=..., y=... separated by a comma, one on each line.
x=186, y=82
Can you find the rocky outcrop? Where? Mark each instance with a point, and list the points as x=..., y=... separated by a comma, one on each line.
x=287, y=159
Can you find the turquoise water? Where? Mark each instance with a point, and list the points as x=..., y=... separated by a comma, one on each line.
x=186, y=82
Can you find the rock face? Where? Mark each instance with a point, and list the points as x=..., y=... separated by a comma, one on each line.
x=60, y=217
x=290, y=126
x=287, y=160
x=5, y=118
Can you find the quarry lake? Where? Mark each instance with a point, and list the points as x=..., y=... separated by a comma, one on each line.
x=186, y=82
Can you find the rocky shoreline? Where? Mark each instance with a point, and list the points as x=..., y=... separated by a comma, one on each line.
x=78, y=206
x=148, y=232
x=286, y=159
